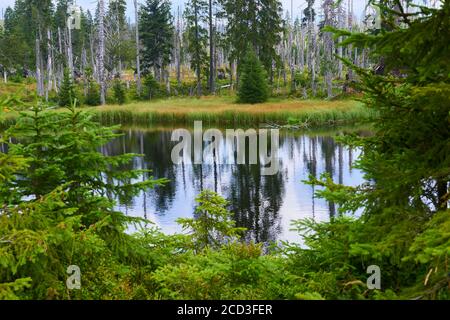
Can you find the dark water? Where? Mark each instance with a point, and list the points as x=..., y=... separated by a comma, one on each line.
x=265, y=205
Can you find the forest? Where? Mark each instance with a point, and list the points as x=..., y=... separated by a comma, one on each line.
x=93, y=207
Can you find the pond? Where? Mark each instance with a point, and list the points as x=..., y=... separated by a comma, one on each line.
x=264, y=204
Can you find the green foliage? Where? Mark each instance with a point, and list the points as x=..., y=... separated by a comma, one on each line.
x=66, y=94
x=196, y=14
x=7, y=290
x=404, y=223
x=57, y=191
x=253, y=87
x=302, y=79
x=63, y=148
x=93, y=90
x=151, y=87
x=255, y=24
x=93, y=95
x=68, y=216
x=119, y=92
x=156, y=33
x=212, y=225
x=235, y=271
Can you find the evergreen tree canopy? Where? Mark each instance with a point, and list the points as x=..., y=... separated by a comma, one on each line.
x=253, y=87
x=66, y=94
x=255, y=23
x=156, y=32
x=404, y=228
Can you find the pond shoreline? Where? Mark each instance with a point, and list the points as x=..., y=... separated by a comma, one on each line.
x=224, y=111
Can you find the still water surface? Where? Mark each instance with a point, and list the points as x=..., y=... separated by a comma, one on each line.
x=265, y=205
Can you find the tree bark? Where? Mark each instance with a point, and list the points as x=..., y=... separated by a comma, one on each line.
x=197, y=52
x=49, y=64
x=138, y=63
x=39, y=82
x=212, y=69
x=101, y=55
x=69, y=50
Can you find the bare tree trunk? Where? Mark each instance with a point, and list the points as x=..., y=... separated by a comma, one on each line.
x=313, y=64
x=341, y=23
x=311, y=55
x=178, y=48
x=350, y=27
x=291, y=52
x=60, y=65
x=39, y=81
x=93, y=63
x=328, y=46
x=231, y=75
x=101, y=55
x=69, y=51
x=83, y=68
x=166, y=80
x=197, y=52
x=302, y=49
x=49, y=64
x=119, y=64
x=212, y=69
x=138, y=63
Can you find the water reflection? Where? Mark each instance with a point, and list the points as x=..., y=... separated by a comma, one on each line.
x=265, y=205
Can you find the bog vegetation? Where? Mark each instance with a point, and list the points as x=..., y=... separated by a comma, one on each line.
x=56, y=208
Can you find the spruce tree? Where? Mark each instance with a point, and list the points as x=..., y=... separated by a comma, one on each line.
x=406, y=161
x=62, y=149
x=156, y=30
x=119, y=92
x=93, y=91
x=66, y=93
x=56, y=191
x=253, y=87
x=197, y=36
x=257, y=23
x=93, y=95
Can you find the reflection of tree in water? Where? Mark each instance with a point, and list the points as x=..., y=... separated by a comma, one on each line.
x=310, y=160
x=157, y=149
x=256, y=200
x=156, y=146
x=329, y=149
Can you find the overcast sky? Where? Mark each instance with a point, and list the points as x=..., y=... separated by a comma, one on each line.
x=297, y=4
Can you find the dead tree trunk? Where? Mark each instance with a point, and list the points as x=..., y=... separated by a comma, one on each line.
x=49, y=64
x=138, y=63
x=101, y=54
x=212, y=69
x=69, y=50
x=39, y=81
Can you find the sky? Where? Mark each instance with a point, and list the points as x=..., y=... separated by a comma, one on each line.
x=297, y=4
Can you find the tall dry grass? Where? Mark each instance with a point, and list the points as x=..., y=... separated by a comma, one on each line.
x=223, y=110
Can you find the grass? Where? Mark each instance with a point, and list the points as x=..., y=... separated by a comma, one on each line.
x=223, y=110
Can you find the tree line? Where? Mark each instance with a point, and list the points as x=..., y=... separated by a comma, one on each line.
x=203, y=44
